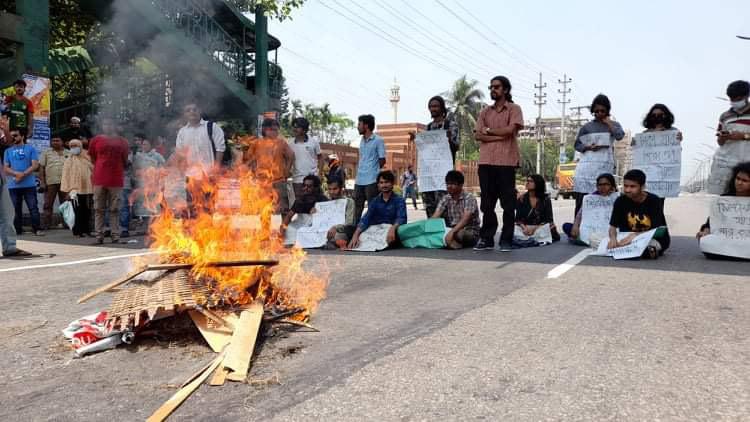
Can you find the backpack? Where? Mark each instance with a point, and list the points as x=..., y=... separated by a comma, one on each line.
x=226, y=159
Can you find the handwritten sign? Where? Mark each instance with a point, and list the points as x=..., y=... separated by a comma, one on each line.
x=228, y=195
x=599, y=138
x=730, y=218
x=542, y=235
x=434, y=159
x=595, y=214
x=659, y=155
x=633, y=250
x=327, y=214
x=591, y=165
x=300, y=221
x=375, y=238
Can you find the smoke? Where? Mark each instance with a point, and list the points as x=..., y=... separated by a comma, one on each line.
x=154, y=67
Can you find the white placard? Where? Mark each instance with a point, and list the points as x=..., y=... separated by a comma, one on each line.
x=719, y=245
x=228, y=194
x=542, y=234
x=633, y=250
x=435, y=160
x=327, y=214
x=595, y=215
x=659, y=155
x=730, y=218
x=375, y=238
x=598, y=138
x=591, y=165
x=300, y=221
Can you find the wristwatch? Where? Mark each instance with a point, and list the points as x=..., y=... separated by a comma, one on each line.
x=746, y=136
x=486, y=131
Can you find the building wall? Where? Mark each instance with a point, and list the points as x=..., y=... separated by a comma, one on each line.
x=396, y=139
x=624, y=154
x=470, y=170
x=349, y=157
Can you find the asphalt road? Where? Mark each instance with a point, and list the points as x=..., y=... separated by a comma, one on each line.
x=414, y=335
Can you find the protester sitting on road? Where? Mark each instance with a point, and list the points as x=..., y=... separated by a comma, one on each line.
x=76, y=183
x=20, y=163
x=533, y=213
x=605, y=186
x=386, y=208
x=638, y=211
x=739, y=185
x=460, y=211
x=339, y=235
x=311, y=195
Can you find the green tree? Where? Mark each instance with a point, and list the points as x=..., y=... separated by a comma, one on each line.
x=328, y=126
x=466, y=101
x=550, y=159
x=275, y=9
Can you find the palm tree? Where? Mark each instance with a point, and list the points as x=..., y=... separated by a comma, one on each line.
x=466, y=101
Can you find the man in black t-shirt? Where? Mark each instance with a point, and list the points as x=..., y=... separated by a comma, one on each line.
x=638, y=211
x=311, y=195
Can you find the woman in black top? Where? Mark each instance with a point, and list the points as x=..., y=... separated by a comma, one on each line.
x=534, y=208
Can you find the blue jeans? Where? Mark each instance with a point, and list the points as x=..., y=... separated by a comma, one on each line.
x=7, y=232
x=18, y=196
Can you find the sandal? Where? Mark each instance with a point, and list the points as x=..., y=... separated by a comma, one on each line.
x=651, y=253
x=18, y=252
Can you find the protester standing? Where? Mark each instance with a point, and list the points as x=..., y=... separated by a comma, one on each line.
x=20, y=162
x=602, y=123
x=271, y=160
x=734, y=124
x=7, y=231
x=409, y=185
x=50, y=174
x=20, y=109
x=201, y=140
x=76, y=130
x=109, y=154
x=307, y=154
x=336, y=170
x=76, y=183
x=371, y=160
x=497, y=131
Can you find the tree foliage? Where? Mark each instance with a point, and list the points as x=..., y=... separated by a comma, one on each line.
x=274, y=9
x=328, y=126
x=550, y=159
x=466, y=101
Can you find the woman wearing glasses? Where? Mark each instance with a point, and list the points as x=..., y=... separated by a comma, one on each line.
x=595, y=142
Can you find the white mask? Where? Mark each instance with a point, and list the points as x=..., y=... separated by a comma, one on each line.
x=739, y=105
x=75, y=150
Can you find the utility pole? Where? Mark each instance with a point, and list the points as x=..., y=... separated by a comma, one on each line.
x=579, y=120
x=539, y=101
x=565, y=91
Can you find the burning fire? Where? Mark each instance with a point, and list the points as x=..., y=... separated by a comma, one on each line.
x=230, y=218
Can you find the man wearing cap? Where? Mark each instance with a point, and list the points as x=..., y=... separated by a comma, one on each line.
x=335, y=170
x=76, y=130
x=306, y=154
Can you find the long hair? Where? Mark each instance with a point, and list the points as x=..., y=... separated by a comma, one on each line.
x=540, y=186
x=603, y=101
x=668, y=116
x=441, y=101
x=506, y=85
x=610, y=179
x=731, y=189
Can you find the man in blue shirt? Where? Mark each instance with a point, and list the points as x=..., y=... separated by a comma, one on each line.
x=20, y=163
x=386, y=208
x=371, y=160
x=7, y=232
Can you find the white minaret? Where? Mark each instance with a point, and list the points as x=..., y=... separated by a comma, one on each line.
x=395, y=98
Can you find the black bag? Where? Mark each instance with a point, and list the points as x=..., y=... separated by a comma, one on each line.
x=226, y=159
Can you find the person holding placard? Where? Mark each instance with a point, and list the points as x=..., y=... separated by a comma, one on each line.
x=499, y=155
x=659, y=118
x=460, y=211
x=386, y=208
x=738, y=186
x=605, y=186
x=533, y=212
x=595, y=142
x=339, y=236
x=638, y=211
x=311, y=195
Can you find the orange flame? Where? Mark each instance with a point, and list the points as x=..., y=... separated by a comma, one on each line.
x=229, y=218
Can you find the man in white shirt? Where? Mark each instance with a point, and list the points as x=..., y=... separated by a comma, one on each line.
x=306, y=154
x=202, y=153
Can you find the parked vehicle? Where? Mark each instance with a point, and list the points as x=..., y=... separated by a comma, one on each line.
x=564, y=179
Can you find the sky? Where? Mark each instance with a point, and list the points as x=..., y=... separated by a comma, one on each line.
x=683, y=54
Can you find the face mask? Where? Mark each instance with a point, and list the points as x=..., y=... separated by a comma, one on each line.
x=75, y=150
x=739, y=105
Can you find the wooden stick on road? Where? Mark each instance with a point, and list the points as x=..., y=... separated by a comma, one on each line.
x=131, y=275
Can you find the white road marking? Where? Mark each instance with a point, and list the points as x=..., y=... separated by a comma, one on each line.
x=67, y=263
x=569, y=264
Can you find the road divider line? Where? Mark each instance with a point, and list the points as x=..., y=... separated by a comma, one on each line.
x=569, y=264
x=82, y=261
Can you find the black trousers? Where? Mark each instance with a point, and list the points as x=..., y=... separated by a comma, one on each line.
x=497, y=182
x=83, y=215
x=579, y=201
x=363, y=193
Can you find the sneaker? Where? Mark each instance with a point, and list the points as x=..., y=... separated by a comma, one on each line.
x=115, y=240
x=38, y=233
x=125, y=233
x=99, y=240
x=483, y=245
x=506, y=247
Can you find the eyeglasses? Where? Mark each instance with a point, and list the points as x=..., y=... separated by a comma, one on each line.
x=599, y=111
x=491, y=87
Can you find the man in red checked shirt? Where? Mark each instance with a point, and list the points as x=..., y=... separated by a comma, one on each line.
x=109, y=153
